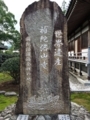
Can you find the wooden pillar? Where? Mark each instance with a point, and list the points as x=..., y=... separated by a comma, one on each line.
x=74, y=67
x=80, y=73
x=88, y=65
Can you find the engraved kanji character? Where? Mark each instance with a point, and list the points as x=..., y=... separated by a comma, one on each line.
x=44, y=65
x=44, y=55
x=43, y=29
x=58, y=34
x=43, y=38
x=57, y=45
x=59, y=41
x=44, y=47
x=57, y=61
x=57, y=52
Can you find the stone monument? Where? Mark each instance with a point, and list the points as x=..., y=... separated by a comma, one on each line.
x=44, y=85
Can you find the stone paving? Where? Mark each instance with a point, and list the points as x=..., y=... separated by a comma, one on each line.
x=77, y=84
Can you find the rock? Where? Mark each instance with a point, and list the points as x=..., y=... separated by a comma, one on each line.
x=47, y=117
x=1, y=118
x=14, y=117
x=8, y=111
x=2, y=92
x=78, y=112
x=41, y=118
x=7, y=119
x=87, y=118
x=3, y=114
x=10, y=94
x=73, y=117
x=7, y=116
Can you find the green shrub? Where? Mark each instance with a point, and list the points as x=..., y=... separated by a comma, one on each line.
x=7, y=55
x=12, y=66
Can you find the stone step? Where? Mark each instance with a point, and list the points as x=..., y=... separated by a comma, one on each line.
x=45, y=117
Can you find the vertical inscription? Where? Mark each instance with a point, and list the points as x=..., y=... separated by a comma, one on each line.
x=58, y=49
x=43, y=47
x=28, y=59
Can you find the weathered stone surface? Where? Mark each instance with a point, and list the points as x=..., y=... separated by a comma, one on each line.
x=44, y=87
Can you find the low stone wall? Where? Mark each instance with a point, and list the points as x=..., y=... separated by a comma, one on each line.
x=77, y=113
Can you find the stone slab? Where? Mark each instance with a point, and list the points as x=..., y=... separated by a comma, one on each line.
x=10, y=93
x=44, y=84
x=23, y=117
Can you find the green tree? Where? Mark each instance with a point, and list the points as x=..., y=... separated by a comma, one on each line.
x=64, y=7
x=12, y=66
x=7, y=23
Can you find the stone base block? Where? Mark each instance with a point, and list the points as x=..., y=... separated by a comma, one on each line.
x=44, y=117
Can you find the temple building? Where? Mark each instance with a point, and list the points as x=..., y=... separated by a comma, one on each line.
x=78, y=18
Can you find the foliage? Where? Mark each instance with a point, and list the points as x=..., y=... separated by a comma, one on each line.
x=8, y=54
x=5, y=101
x=7, y=29
x=4, y=76
x=64, y=7
x=12, y=66
x=81, y=99
x=16, y=41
